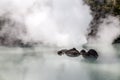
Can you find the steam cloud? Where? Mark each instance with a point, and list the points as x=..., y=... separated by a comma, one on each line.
x=51, y=22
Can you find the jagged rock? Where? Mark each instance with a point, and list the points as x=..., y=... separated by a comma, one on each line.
x=91, y=55
x=71, y=52
x=61, y=52
x=100, y=10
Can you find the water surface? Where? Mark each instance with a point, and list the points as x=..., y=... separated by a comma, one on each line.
x=42, y=63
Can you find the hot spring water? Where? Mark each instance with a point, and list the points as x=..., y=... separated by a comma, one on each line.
x=42, y=63
x=55, y=24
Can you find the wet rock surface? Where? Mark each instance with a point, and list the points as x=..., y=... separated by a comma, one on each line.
x=71, y=52
x=91, y=55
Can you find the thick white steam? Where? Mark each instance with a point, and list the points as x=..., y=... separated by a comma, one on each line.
x=52, y=22
x=59, y=22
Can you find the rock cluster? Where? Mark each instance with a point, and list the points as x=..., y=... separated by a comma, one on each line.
x=91, y=55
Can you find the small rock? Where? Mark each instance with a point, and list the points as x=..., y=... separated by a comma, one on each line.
x=71, y=52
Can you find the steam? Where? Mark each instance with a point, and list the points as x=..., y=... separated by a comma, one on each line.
x=51, y=22
x=108, y=31
x=59, y=22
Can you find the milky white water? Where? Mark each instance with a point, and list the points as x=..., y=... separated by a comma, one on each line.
x=42, y=63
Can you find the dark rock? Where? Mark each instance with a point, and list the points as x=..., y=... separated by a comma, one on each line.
x=91, y=55
x=117, y=40
x=61, y=52
x=100, y=10
x=71, y=52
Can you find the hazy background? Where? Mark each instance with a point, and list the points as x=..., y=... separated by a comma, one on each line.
x=55, y=24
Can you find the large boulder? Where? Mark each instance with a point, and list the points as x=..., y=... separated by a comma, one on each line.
x=91, y=55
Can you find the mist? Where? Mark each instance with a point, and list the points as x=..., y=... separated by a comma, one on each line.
x=59, y=22
x=108, y=31
x=50, y=22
